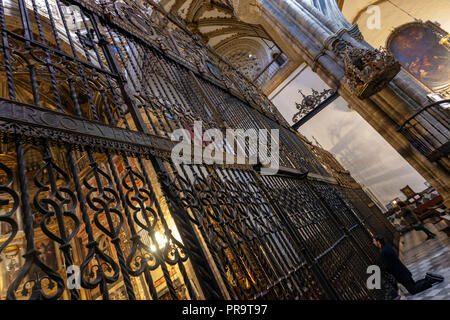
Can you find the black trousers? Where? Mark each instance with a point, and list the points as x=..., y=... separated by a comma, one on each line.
x=414, y=287
x=421, y=227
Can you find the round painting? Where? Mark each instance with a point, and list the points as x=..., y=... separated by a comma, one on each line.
x=417, y=49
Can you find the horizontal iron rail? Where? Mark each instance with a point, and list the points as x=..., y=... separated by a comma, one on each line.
x=79, y=130
x=61, y=53
x=422, y=110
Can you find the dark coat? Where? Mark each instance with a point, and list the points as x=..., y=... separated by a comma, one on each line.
x=392, y=264
x=409, y=216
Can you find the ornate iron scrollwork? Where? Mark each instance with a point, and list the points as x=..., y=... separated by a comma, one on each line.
x=45, y=283
x=55, y=201
x=106, y=82
x=310, y=102
x=9, y=202
x=104, y=201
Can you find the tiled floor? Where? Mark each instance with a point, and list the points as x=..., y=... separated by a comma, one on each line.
x=421, y=256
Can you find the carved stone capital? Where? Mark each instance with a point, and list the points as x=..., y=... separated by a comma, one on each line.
x=367, y=71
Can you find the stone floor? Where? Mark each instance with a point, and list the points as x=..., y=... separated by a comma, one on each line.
x=421, y=256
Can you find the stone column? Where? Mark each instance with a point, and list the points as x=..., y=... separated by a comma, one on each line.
x=302, y=30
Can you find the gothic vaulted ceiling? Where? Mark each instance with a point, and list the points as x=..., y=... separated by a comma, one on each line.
x=214, y=20
x=247, y=46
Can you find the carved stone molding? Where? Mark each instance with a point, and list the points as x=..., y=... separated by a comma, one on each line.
x=367, y=71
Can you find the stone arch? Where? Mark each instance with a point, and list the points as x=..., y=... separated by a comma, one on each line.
x=246, y=53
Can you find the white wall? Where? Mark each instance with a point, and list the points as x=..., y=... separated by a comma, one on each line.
x=355, y=144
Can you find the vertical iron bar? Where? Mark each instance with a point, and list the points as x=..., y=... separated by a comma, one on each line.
x=7, y=54
x=303, y=248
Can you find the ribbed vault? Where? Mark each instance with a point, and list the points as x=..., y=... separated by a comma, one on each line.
x=247, y=46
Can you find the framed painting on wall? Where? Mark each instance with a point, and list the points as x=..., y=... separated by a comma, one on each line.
x=418, y=48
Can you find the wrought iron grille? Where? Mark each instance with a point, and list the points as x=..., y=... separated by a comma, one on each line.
x=328, y=238
x=369, y=214
x=428, y=131
x=90, y=92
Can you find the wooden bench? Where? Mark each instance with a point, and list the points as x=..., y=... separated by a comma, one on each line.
x=428, y=209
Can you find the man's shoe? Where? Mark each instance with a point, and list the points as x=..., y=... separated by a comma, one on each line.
x=434, y=278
